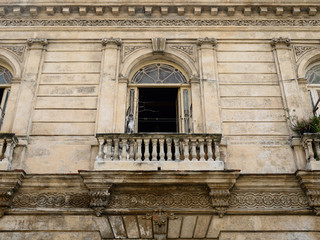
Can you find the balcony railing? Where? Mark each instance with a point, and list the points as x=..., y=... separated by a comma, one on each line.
x=8, y=142
x=157, y=151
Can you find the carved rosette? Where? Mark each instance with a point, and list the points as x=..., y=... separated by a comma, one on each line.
x=284, y=41
x=310, y=183
x=210, y=41
x=111, y=41
x=10, y=181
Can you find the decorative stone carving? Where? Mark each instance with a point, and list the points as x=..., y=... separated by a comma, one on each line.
x=190, y=198
x=111, y=41
x=269, y=200
x=300, y=50
x=310, y=183
x=8, y=142
x=219, y=191
x=187, y=49
x=51, y=200
x=41, y=41
x=127, y=50
x=280, y=40
x=10, y=181
x=98, y=191
x=17, y=50
x=211, y=41
x=160, y=223
x=160, y=22
x=158, y=45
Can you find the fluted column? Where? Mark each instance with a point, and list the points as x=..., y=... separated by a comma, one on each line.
x=209, y=85
x=28, y=86
x=108, y=78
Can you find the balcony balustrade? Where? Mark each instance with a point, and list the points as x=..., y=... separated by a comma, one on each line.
x=311, y=145
x=157, y=151
x=8, y=142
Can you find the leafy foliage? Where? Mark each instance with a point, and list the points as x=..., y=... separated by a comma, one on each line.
x=311, y=125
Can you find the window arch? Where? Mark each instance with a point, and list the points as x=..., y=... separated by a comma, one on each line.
x=159, y=99
x=5, y=84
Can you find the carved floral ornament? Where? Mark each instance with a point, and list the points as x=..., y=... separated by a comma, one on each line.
x=159, y=22
x=111, y=41
x=280, y=40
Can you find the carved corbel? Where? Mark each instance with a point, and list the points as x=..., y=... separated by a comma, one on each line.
x=280, y=41
x=158, y=45
x=99, y=191
x=210, y=41
x=111, y=41
x=219, y=191
x=10, y=181
x=310, y=183
x=37, y=43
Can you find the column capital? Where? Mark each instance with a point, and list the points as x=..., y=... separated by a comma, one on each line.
x=206, y=40
x=111, y=41
x=280, y=41
x=37, y=43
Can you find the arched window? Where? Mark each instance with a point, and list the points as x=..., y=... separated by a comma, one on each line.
x=313, y=83
x=159, y=100
x=5, y=84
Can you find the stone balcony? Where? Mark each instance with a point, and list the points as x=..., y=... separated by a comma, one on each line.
x=8, y=142
x=311, y=145
x=159, y=151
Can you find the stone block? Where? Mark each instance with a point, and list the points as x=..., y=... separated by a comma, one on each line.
x=71, y=67
x=247, y=90
x=68, y=90
x=73, y=129
x=66, y=102
x=64, y=115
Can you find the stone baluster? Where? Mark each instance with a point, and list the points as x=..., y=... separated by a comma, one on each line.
x=107, y=149
x=176, y=149
x=209, y=147
x=100, y=153
x=161, y=153
x=146, y=149
x=194, y=149
x=124, y=149
x=216, y=151
x=116, y=149
x=186, y=149
x=7, y=156
x=202, y=153
x=317, y=145
x=131, y=149
x=310, y=151
x=139, y=153
x=154, y=149
x=169, y=149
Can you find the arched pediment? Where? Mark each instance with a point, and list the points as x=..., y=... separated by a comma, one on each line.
x=145, y=55
x=306, y=61
x=9, y=60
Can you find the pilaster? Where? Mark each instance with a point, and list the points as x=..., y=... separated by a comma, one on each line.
x=108, y=85
x=120, y=112
x=209, y=85
x=28, y=86
x=286, y=72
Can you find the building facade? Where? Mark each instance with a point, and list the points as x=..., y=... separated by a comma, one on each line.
x=152, y=120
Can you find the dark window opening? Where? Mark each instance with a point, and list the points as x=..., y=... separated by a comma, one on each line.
x=157, y=110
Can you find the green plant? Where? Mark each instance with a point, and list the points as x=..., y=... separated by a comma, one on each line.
x=311, y=125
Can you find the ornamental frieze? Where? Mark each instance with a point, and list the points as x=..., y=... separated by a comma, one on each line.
x=159, y=22
x=269, y=200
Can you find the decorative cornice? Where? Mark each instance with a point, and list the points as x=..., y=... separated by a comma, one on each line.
x=210, y=41
x=280, y=40
x=34, y=10
x=159, y=22
x=111, y=41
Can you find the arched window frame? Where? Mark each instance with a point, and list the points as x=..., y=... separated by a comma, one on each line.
x=184, y=117
x=5, y=90
x=314, y=88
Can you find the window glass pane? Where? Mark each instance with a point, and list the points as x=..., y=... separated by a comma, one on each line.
x=159, y=73
x=313, y=75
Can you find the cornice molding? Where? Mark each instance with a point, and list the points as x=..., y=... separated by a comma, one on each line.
x=123, y=9
x=160, y=22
